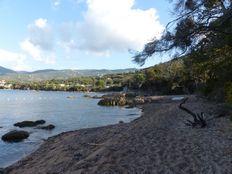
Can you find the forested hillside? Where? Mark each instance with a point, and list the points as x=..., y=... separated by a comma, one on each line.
x=202, y=31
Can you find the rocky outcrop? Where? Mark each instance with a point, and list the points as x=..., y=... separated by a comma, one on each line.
x=15, y=136
x=119, y=99
x=113, y=100
x=29, y=123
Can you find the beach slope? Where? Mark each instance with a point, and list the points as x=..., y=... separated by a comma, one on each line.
x=157, y=142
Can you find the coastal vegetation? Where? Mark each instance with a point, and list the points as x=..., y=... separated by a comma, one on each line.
x=183, y=75
x=164, y=78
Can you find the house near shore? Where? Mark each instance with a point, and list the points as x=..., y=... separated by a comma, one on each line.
x=62, y=85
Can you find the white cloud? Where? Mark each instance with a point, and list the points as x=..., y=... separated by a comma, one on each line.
x=68, y=45
x=39, y=44
x=107, y=26
x=16, y=61
x=114, y=25
x=56, y=3
x=41, y=23
x=40, y=34
x=31, y=49
x=68, y=36
x=37, y=54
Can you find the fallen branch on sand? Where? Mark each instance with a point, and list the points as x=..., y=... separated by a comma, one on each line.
x=198, y=119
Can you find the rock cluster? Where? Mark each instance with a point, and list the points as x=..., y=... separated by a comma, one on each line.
x=19, y=135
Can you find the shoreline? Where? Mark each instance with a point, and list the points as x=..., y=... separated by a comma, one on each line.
x=74, y=117
x=155, y=142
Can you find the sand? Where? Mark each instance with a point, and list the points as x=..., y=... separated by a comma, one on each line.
x=157, y=142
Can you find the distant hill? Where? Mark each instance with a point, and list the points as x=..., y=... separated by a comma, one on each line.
x=4, y=71
x=48, y=74
x=41, y=71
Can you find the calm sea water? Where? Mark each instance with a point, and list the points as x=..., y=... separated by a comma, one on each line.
x=54, y=107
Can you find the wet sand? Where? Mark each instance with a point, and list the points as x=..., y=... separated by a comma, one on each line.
x=157, y=142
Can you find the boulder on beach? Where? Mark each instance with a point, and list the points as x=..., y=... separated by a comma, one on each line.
x=15, y=136
x=48, y=127
x=29, y=123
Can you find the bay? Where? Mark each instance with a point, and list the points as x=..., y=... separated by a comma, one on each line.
x=66, y=110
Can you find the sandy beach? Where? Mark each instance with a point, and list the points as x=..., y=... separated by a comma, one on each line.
x=156, y=143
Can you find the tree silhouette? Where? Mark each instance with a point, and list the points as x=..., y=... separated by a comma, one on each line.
x=199, y=24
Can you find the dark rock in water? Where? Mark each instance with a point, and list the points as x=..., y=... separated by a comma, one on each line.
x=71, y=97
x=25, y=124
x=29, y=123
x=93, y=97
x=15, y=136
x=87, y=96
x=120, y=122
x=131, y=114
x=96, y=97
x=48, y=127
x=129, y=107
x=40, y=122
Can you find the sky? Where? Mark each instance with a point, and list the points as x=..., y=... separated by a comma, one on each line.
x=78, y=34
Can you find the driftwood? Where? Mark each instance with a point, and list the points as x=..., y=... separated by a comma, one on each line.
x=198, y=119
x=96, y=144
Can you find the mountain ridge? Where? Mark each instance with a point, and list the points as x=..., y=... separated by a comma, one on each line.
x=48, y=74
